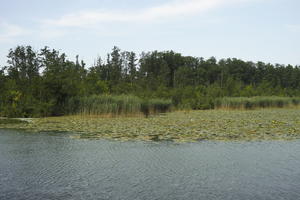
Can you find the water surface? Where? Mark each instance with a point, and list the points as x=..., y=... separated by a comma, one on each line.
x=55, y=166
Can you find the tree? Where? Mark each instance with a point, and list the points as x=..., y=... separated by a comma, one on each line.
x=132, y=71
x=62, y=79
x=115, y=65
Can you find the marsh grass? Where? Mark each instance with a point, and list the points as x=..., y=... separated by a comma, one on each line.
x=11, y=121
x=112, y=106
x=256, y=102
x=154, y=106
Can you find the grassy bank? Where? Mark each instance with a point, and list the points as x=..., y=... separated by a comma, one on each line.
x=262, y=124
x=256, y=102
x=122, y=105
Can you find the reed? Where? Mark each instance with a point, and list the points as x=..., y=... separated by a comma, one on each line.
x=121, y=105
x=154, y=106
x=256, y=102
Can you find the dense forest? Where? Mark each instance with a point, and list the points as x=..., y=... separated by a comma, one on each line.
x=42, y=83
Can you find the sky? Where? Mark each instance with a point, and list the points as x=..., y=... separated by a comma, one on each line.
x=252, y=30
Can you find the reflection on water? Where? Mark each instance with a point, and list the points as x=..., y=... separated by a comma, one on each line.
x=54, y=166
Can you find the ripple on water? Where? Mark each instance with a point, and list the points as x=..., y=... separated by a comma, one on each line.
x=43, y=166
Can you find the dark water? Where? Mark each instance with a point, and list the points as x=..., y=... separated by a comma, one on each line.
x=54, y=166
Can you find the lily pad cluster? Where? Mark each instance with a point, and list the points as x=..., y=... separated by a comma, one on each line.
x=180, y=126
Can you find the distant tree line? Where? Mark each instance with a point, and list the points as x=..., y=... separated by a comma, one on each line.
x=40, y=83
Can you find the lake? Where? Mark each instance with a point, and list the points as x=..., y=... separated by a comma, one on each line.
x=55, y=166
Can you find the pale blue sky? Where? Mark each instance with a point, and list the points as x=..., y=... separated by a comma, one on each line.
x=256, y=30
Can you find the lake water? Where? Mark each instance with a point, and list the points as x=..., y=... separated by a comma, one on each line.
x=55, y=166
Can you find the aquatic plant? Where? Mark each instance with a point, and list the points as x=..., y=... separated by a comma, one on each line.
x=269, y=124
x=154, y=106
x=11, y=121
x=110, y=105
x=256, y=102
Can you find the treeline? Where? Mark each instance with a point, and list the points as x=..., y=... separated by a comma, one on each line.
x=42, y=83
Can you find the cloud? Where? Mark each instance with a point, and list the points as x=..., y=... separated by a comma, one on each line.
x=166, y=11
x=50, y=32
x=10, y=32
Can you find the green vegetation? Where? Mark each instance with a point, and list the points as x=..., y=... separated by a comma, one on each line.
x=155, y=106
x=11, y=121
x=47, y=83
x=261, y=124
x=123, y=105
x=256, y=102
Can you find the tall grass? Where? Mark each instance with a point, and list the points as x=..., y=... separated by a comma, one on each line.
x=154, y=106
x=256, y=102
x=109, y=105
